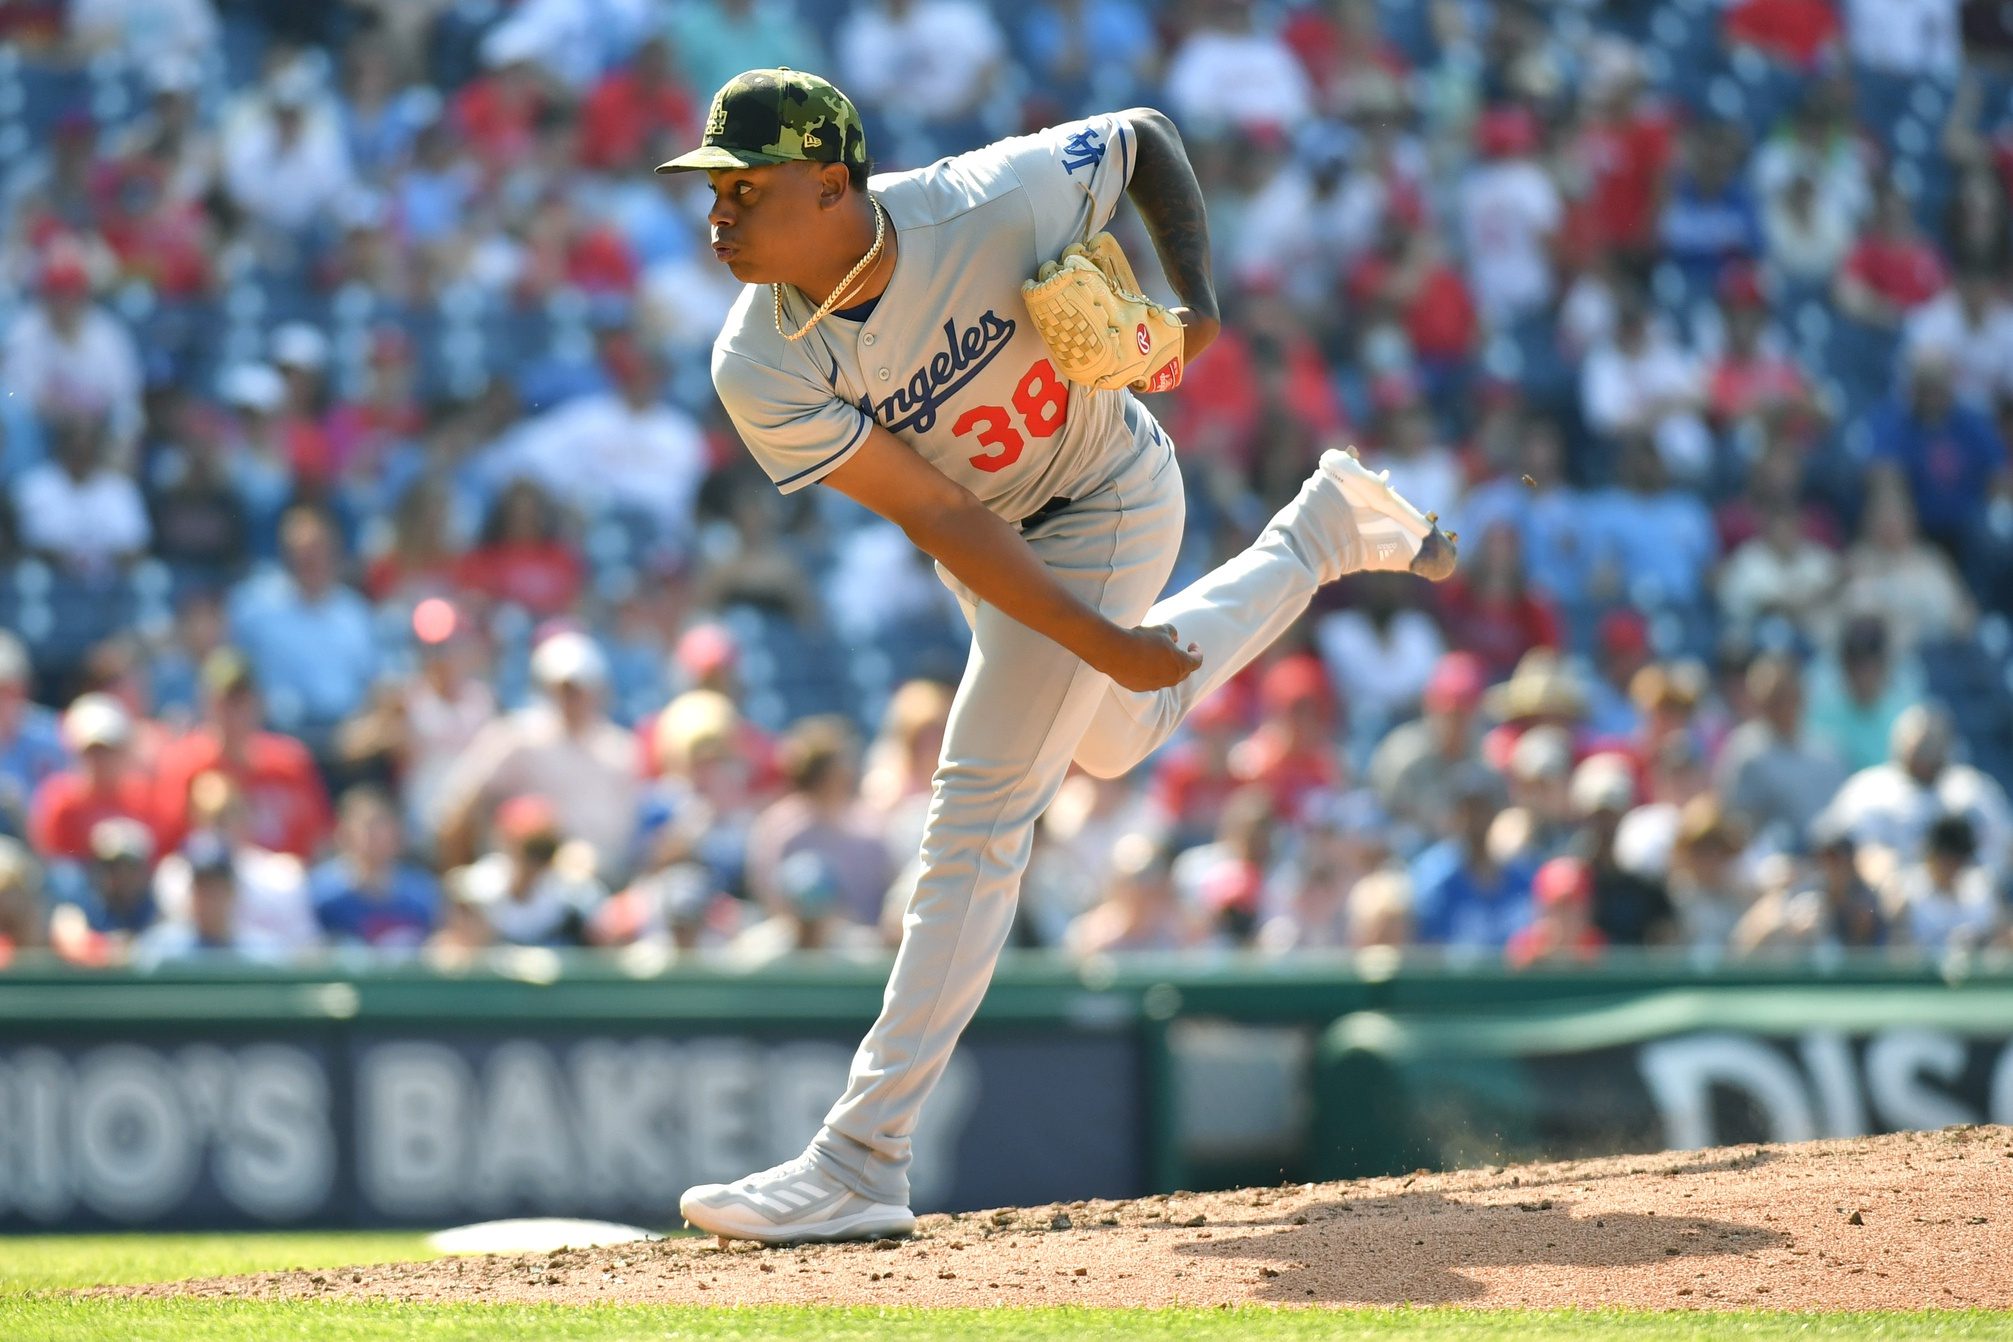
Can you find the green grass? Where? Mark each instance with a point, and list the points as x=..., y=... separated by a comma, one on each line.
x=57, y=1262
x=246, y=1321
x=33, y=1272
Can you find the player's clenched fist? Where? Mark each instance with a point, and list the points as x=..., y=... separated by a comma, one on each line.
x=1150, y=657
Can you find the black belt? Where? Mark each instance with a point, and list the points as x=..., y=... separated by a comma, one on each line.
x=1043, y=513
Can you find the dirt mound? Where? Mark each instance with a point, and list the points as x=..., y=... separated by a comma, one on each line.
x=1907, y=1221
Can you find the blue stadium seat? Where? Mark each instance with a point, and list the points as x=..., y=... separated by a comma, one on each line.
x=1881, y=99
x=790, y=671
x=1726, y=99
x=48, y=93
x=1772, y=92
x=1409, y=27
x=1977, y=687
x=81, y=613
x=1861, y=357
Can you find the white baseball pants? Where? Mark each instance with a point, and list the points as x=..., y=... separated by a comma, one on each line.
x=1025, y=710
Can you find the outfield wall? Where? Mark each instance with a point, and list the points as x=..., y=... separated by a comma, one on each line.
x=578, y=1087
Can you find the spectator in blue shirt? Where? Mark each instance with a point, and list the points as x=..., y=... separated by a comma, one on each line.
x=101, y=906
x=1950, y=454
x=1711, y=218
x=1464, y=898
x=1086, y=53
x=1535, y=498
x=717, y=41
x=366, y=894
x=309, y=638
x=1658, y=541
x=31, y=739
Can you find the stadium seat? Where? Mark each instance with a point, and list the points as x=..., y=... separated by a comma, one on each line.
x=48, y=94
x=1409, y=27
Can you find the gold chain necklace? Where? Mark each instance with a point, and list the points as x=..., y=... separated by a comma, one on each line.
x=845, y=285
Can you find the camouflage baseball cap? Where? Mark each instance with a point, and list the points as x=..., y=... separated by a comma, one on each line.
x=777, y=116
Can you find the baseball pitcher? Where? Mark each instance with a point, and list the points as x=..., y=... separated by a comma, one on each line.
x=957, y=348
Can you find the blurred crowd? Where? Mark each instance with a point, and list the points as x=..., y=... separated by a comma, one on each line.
x=378, y=570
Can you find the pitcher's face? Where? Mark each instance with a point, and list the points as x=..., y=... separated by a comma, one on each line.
x=764, y=219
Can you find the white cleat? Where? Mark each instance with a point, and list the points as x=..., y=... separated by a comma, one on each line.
x=1347, y=518
x=794, y=1203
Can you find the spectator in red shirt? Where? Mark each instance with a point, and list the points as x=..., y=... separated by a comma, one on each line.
x=1562, y=926
x=566, y=249
x=1192, y=780
x=1774, y=482
x=1292, y=754
x=1624, y=150
x=104, y=785
x=633, y=113
x=498, y=112
x=1487, y=609
x=1750, y=379
x=1345, y=53
x=1795, y=32
x=1411, y=279
x=1893, y=269
x=364, y=431
x=287, y=805
x=1271, y=387
x=120, y=669
x=521, y=556
x=301, y=354
x=36, y=25
x=422, y=559
x=159, y=240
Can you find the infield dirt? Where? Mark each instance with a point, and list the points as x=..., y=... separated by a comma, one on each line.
x=1914, y=1220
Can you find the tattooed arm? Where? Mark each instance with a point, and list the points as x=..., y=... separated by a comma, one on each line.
x=1169, y=201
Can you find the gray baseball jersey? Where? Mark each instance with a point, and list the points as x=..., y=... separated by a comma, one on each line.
x=948, y=359
x=950, y=362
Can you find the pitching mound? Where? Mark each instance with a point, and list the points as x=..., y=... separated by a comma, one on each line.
x=1908, y=1221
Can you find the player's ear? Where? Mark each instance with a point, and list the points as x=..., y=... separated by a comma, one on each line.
x=833, y=184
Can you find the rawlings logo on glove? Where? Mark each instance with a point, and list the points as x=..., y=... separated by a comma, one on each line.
x=1101, y=331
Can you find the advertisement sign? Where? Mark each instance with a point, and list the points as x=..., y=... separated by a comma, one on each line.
x=430, y=1129
x=1673, y=1071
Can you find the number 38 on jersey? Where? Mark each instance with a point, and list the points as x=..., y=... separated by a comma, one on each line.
x=1040, y=403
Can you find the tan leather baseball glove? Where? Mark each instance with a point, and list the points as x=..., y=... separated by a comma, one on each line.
x=1101, y=330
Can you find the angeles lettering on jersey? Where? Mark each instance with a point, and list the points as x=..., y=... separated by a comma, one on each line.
x=915, y=404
